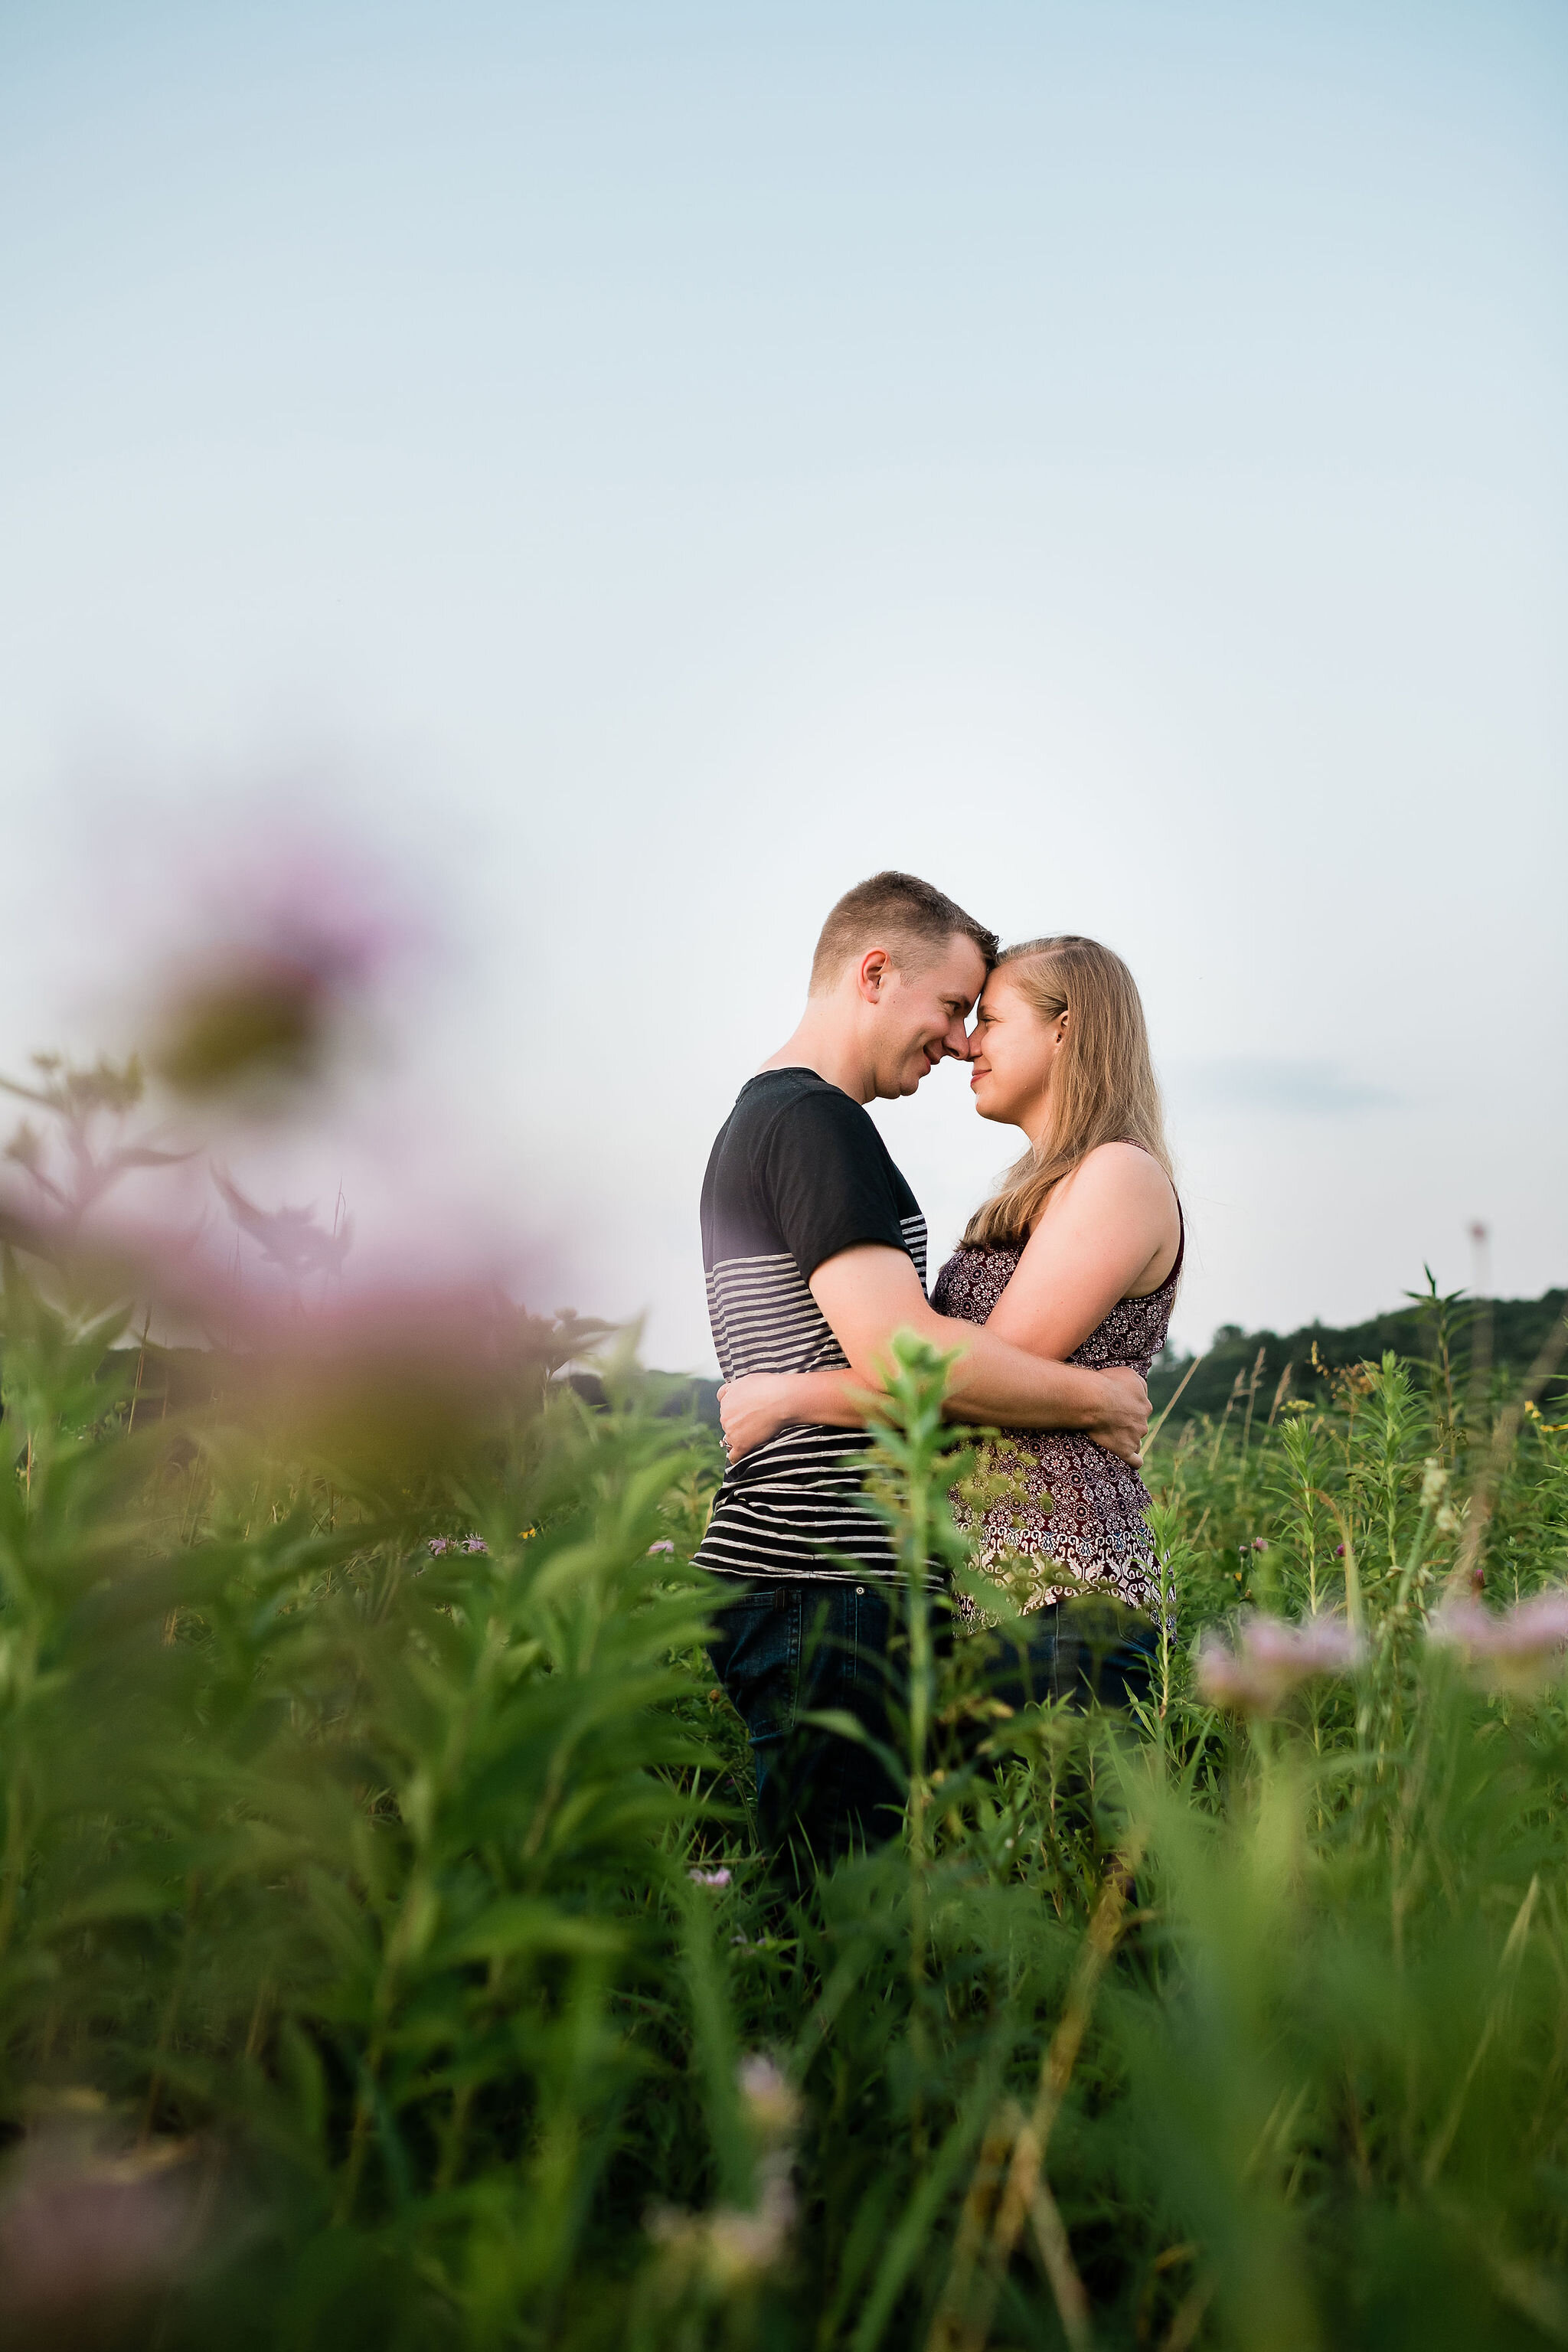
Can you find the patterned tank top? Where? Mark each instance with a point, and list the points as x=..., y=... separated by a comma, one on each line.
x=1075, y=1507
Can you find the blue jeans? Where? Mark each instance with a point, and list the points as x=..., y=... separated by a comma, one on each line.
x=791, y=1647
x=1077, y=1652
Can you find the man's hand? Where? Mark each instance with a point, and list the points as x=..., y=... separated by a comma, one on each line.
x=753, y=1408
x=1126, y=1415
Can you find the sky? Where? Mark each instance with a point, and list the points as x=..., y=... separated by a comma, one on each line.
x=633, y=470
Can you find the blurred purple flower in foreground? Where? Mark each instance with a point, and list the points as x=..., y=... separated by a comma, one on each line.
x=729, y=2249
x=293, y=951
x=1516, y=1649
x=660, y=1546
x=92, y=2235
x=1270, y=1660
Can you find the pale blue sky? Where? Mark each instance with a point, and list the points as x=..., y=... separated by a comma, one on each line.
x=650, y=465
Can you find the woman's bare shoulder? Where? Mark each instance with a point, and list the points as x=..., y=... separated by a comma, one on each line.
x=1120, y=1173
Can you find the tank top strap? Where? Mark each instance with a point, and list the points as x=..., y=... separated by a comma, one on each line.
x=1181, y=1224
x=1181, y=1241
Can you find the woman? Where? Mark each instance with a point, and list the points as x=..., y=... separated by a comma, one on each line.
x=1075, y=1257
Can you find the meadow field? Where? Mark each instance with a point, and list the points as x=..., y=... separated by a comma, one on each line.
x=387, y=1961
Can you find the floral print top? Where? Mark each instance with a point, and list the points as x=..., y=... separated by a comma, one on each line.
x=1075, y=1507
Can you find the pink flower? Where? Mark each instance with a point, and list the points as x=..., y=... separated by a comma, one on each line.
x=296, y=936
x=770, y=2101
x=1270, y=1660
x=660, y=1546
x=92, y=2233
x=1514, y=1651
x=720, y=1877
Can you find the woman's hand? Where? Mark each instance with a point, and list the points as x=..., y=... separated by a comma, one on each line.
x=751, y=1410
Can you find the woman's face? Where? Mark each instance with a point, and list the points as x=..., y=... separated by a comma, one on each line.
x=1011, y=1050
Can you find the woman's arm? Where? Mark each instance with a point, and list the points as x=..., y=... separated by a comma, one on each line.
x=1120, y=1229
x=1109, y=1231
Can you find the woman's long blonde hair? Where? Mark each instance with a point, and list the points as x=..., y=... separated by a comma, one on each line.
x=1102, y=1081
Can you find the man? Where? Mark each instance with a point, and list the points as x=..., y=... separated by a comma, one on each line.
x=813, y=1247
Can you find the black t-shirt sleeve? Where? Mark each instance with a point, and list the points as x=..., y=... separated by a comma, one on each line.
x=827, y=1180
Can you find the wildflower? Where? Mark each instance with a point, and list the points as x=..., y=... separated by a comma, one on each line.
x=438, y=1544
x=1338, y=1552
x=664, y=1545
x=1259, y=1543
x=720, y=1877
x=93, y=2233
x=1272, y=1659
x=772, y=2107
x=475, y=1543
x=729, y=2249
x=1434, y=1480
x=293, y=952
x=382, y=1380
x=1514, y=1651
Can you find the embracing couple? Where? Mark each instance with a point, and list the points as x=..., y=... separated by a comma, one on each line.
x=1059, y=1299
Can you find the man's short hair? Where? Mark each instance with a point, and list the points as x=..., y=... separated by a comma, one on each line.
x=898, y=911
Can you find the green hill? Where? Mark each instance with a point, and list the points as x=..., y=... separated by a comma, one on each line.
x=1509, y=1332
x=1506, y=1332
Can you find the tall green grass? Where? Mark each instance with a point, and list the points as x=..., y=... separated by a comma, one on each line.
x=385, y=1958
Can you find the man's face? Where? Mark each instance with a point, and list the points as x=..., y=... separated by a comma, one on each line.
x=919, y=1016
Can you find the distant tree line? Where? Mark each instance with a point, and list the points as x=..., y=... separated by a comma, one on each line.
x=1487, y=1336
x=1481, y=1337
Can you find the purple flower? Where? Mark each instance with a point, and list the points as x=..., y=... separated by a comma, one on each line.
x=729, y=2249
x=475, y=1543
x=296, y=935
x=1259, y=1543
x=1513, y=1651
x=1270, y=1660
x=720, y=1877
x=770, y=2103
x=439, y=1544
x=93, y=2234
x=662, y=1546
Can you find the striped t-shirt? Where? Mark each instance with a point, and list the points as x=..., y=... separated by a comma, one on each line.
x=798, y=1173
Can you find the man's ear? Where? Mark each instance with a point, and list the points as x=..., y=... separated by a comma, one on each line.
x=871, y=973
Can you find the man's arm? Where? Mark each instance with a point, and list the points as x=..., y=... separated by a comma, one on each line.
x=870, y=1292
